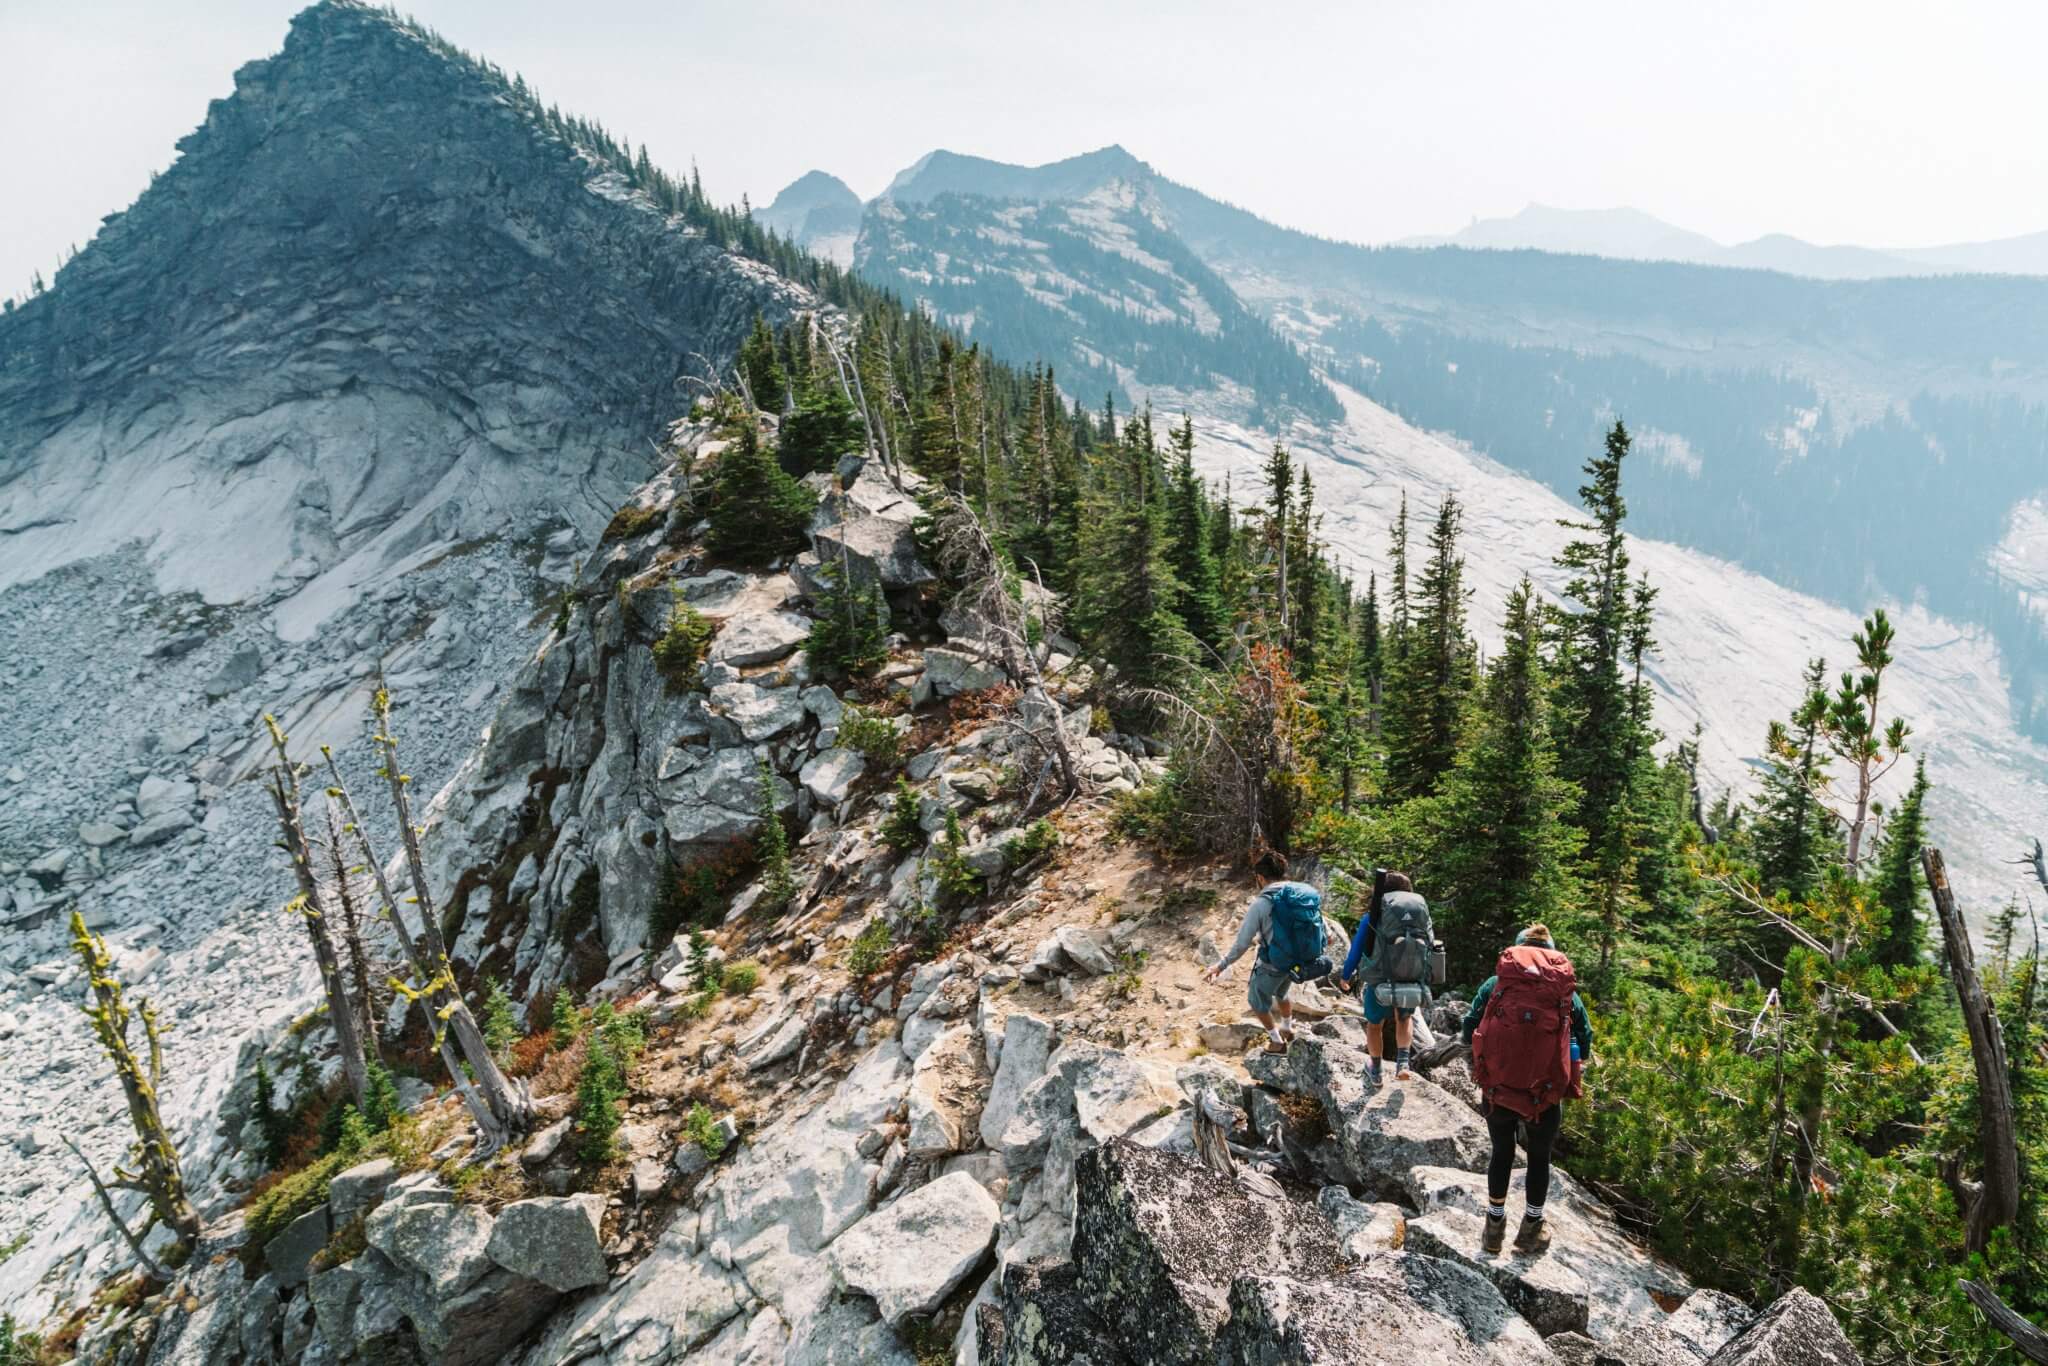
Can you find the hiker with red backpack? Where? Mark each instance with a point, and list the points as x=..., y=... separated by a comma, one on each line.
x=1286, y=921
x=1530, y=1039
x=1395, y=946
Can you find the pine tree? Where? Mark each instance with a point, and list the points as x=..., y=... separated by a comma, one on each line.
x=823, y=426
x=1433, y=678
x=1508, y=850
x=1397, y=581
x=1853, y=730
x=759, y=512
x=1897, y=882
x=849, y=635
x=1126, y=596
x=1188, y=534
x=778, y=881
x=937, y=448
x=759, y=365
x=1792, y=836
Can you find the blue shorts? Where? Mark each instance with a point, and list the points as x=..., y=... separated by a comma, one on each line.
x=1375, y=1013
x=1268, y=988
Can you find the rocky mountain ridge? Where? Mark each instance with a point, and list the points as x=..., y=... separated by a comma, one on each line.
x=979, y=1148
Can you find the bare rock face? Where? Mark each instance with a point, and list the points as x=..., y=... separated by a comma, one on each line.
x=376, y=302
x=1798, y=1330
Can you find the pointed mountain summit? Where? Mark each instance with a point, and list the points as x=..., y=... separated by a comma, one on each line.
x=384, y=299
x=819, y=212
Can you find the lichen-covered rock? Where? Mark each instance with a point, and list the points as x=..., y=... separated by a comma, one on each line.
x=1398, y=1307
x=948, y=1087
x=288, y=1251
x=910, y=1255
x=447, y=1245
x=1168, y=1234
x=1042, y=1319
x=552, y=1240
x=1027, y=1044
x=1798, y=1330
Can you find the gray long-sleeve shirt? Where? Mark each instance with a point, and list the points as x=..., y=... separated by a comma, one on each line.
x=1256, y=929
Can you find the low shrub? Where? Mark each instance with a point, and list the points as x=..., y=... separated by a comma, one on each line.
x=870, y=948
x=1040, y=838
x=701, y=1128
x=741, y=977
x=680, y=650
x=875, y=738
x=902, y=829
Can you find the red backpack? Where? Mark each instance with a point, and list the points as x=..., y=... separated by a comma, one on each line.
x=1522, y=1050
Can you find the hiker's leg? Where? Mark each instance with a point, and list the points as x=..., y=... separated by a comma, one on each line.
x=1263, y=1018
x=1500, y=1127
x=1285, y=1010
x=1375, y=1032
x=1404, y=1030
x=1265, y=998
x=1372, y=1040
x=1542, y=1133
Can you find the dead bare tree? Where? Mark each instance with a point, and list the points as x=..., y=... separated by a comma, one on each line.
x=511, y=1109
x=352, y=932
x=158, y=1173
x=1994, y=1201
x=966, y=553
x=2031, y=1341
x=310, y=906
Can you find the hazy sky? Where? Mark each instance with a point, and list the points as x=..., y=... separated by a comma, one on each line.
x=1880, y=123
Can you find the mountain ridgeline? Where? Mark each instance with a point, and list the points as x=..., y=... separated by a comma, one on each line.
x=1788, y=419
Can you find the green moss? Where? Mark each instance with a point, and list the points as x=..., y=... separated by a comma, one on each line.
x=301, y=1192
x=632, y=520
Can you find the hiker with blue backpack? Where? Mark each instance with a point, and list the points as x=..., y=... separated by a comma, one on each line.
x=1286, y=921
x=1396, y=953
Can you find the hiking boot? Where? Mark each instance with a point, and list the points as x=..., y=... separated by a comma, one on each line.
x=1496, y=1233
x=1532, y=1237
x=1276, y=1045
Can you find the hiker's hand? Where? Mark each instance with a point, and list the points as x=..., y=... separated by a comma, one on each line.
x=1344, y=982
x=1211, y=973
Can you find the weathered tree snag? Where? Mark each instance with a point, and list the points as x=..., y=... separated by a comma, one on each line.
x=352, y=934
x=158, y=1174
x=965, y=551
x=510, y=1108
x=1994, y=1201
x=2031, y=1341
x=150, y=1266
x=311, y=907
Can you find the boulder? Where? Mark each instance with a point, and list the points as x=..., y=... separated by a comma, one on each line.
x=1435, y=1311
x=1594, y=1279
x=759, y=638
x=288, y=1252
x=552, y=1240
x=1116, y=1094
x=1041, y=1319
x=1383, y=1133
x=1162, y=1231
x=755, y=712
x=446, y=1245
x=354, y=1191
x=1708, y=1320
x=715, y=799
x=1365, y=1229
x=157, y=829
x=910, y=1255
x=1071, y=949
x=829, y=777
x=100, y=834
x=875, y=550
x=1027, y=1043
x=1798, y=1330
x=948, y=673
x=243, y=667
x=158, y=795
x=947, y=1089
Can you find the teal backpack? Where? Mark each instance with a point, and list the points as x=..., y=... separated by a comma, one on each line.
x=1296, y=945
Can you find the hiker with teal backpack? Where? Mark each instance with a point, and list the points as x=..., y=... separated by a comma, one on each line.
x=1531, y=1040
x=1286, y=921
x=1396, y=953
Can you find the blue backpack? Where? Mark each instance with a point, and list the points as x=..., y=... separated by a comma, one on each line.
x=1296, y=945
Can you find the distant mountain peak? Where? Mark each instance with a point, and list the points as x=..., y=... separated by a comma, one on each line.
x=945, y=172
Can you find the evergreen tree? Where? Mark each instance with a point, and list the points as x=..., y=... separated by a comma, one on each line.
x=822, y=427
x=1371, y=656
x=1397, y=581
x=1896, y=885
x=1507, y=850
x=1127, y=598
x=849, y=634
x=766, y=382
x=758, y=512
x=1432, y=680
x=1188, y=533
x=1853, y=730
x=778, y=879
x=937, y=447
x=1793, y=838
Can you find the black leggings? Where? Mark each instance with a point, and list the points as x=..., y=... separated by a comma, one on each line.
x=1542, y=1132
